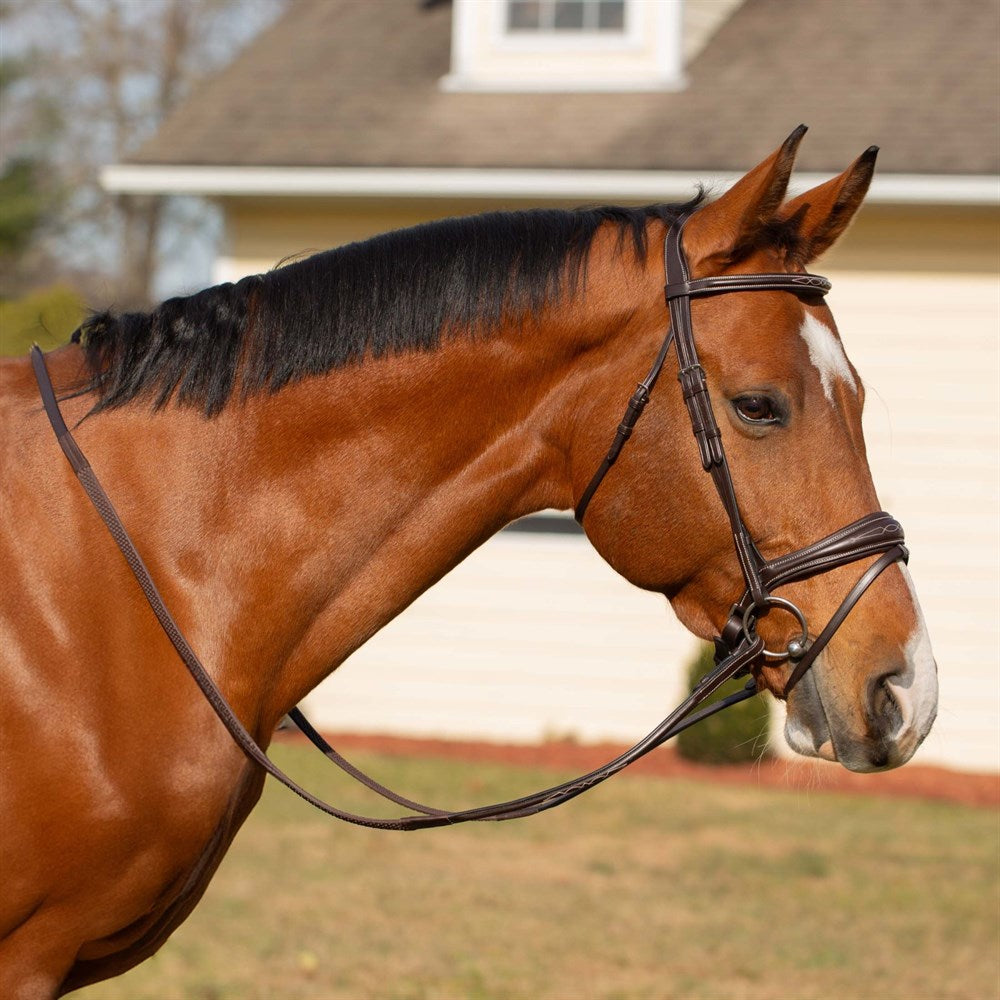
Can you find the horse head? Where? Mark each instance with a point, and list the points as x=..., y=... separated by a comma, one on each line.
x=789, y=407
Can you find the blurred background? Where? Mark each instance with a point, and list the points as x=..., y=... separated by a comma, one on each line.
x=152, y=147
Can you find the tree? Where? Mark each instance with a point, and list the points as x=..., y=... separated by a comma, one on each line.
x=23, y=206
x=94, y=79
x=26, y=200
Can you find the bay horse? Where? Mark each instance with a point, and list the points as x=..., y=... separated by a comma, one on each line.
x=300, y=454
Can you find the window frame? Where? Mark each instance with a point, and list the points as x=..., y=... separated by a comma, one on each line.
x=645, y=56
x=574, y=32
x=545, y=41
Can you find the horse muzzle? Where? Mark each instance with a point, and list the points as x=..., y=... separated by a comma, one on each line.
x=881, y=732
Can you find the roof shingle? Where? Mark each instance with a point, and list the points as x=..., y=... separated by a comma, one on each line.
x=353, y=83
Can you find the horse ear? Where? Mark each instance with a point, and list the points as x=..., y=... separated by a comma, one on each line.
x=723, y=230
x=823, y=213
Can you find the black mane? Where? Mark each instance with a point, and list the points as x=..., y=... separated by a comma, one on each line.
x=388, y=295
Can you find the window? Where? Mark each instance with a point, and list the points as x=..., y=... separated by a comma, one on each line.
x=566, y=45
x=565, y=15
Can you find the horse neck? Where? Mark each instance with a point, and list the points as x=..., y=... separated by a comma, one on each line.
x=306, y=520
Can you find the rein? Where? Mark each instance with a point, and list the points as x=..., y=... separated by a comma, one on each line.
x=737, y=649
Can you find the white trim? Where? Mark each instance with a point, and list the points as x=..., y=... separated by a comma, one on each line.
x=457, y=183
x=486, y=58
x=453, y=83
x=463, y=40
x=668, y=43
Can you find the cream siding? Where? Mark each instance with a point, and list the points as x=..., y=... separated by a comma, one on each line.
x=533, y=636
x=926, y=345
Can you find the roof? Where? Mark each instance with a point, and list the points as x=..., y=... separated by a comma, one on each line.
x=345, y=83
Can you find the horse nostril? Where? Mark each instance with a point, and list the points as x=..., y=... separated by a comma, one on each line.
x=885, y=709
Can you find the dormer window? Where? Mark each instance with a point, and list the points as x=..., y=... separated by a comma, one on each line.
x=566, y=45
x=565, y=15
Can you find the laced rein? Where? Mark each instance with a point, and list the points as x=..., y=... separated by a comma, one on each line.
x=738, y=649
x=682, y=717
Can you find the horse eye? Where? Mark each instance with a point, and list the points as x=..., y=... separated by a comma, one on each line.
x=757, y=409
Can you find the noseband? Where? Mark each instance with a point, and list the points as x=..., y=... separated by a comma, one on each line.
x=876, y=533
x=738, y=648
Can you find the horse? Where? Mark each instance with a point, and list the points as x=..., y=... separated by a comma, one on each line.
x=300, y=454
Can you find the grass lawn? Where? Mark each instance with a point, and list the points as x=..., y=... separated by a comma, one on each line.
x=644, y=888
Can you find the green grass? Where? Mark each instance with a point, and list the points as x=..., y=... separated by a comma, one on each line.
x=644, y=888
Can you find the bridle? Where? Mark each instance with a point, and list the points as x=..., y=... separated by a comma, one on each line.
x=873, y=534
x=738, y=648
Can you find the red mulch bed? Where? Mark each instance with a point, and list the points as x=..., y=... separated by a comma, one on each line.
x=912, y=781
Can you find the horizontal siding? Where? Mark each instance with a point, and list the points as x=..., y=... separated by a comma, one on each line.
x=535, y=637
x=928, y=348
x=532, y=636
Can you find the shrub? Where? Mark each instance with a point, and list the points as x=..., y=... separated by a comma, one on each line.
x=735, y=735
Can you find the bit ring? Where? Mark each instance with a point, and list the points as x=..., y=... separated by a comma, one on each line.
x=796, y=647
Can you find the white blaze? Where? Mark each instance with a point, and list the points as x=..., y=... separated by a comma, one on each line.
x=826, y=354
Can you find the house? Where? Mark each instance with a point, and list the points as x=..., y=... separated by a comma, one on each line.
x=350, y=117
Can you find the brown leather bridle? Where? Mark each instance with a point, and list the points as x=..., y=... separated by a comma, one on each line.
x=739, y=647
x=872, y=534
